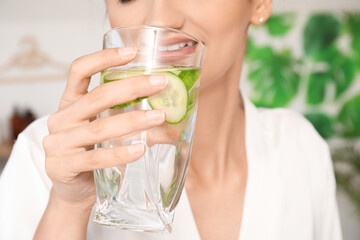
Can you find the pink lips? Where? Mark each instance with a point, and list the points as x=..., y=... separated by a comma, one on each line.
x=172, y=41
x=166, y=42
x=182, y=51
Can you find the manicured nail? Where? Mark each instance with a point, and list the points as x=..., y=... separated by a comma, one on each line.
x=155, y=115
x=134, y=149
x=127, y=51
x=158, y=80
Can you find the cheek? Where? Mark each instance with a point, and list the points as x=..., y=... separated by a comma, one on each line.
x=221, y=52
x=225, y=24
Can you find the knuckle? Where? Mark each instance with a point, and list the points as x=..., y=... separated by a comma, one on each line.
x=75, y=67
x=119, y=153
x=97, y=127
x=133, y=120
x=134, y=92
x=139, y=117
x=98, y=94
x=50, y=167
x=47, y=142
x=111, y=51
x=51, y=143
x=129, y=94
x=92, y=159
x=134, y=86
x=52, y=122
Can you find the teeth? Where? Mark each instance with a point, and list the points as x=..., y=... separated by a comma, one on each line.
x=175, y=46
x=162, y=48
x=190, y=44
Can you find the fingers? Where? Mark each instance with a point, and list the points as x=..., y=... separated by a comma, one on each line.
x=106, y=157
x=110, y=94
x=91, y=160
x=84, y=67
x=103, y=129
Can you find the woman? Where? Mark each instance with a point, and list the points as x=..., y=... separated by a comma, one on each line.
x=254, y=174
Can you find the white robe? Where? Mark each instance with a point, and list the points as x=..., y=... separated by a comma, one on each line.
x=290, y=192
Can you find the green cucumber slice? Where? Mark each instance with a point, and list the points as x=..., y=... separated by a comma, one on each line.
x=173, y=100
x=109, y=76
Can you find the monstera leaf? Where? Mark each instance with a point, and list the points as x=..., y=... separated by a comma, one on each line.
x=352, y=26
x=255, y=53
x=320, y=33
x=322, y=123
x=356, y=47
x=272, y=76
x=317, y=88
x=280, y=24
x=349, y=117
x=344, y=72
x=340, y=72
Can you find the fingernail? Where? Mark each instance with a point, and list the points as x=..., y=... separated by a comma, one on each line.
x=158, y=80
x=155, y=115
x=135, y=148
x=127, y=51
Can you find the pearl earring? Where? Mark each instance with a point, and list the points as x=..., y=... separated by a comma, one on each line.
x=261, y=19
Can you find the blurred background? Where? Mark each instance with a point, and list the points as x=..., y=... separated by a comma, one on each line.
x=306, y=57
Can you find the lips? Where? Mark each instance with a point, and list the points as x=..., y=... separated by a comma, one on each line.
x=176, y=47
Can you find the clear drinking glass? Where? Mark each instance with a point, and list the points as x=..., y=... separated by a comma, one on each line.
x=143, y=195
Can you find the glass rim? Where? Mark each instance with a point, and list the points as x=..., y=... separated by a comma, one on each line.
x=154, y=27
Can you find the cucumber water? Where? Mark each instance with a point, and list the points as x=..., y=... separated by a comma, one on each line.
x=176, y=100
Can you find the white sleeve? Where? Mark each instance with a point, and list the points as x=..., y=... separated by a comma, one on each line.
x=327, y=217
x=24, y=186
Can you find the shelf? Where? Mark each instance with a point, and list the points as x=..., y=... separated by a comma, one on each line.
x=5, y=150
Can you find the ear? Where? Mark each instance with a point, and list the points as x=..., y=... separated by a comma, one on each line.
x=261, y=11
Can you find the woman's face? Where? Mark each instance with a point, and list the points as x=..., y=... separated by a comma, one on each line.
x=220, y=24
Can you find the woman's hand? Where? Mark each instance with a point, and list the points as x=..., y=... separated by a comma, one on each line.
x=70, y=159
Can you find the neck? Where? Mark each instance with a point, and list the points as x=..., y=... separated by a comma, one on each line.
x=219, y=133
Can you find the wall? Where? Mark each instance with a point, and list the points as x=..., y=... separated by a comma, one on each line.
x=65, y=30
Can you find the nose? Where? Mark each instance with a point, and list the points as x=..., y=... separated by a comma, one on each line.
x=165, y=13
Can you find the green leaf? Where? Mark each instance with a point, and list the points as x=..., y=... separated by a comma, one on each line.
x=321, y=31
x=344, y=73
x=255, y=53
x=273, y=78
x=322, y=123
x=329, y=54
x=341, y=73
x=352, y=26
x=356, y=43
x=189, y=77
x=356, y=47
x=352, y=23
x=349, y=117
x=280, y=24
x=316, y=88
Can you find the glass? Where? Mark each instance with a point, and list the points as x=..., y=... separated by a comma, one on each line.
x=143, y=195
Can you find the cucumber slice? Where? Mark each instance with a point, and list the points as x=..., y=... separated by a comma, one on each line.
x=109, y=76
x=173, y=100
